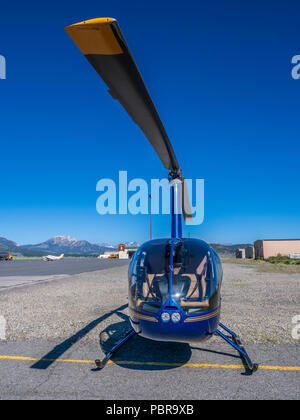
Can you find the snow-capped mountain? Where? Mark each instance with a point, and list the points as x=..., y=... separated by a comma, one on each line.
x=132, y=244
x=68, y=245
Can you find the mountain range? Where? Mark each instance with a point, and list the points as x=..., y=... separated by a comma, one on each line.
x=56, y=245
x=71, y=246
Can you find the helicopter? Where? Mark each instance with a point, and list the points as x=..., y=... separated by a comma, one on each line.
x=174, y=283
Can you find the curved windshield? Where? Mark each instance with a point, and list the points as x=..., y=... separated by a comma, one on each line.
x=196, y=267
x=148, y=276
x=195, y=276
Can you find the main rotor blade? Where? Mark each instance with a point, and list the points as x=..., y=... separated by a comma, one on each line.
x=102, y=43
x=186, y=204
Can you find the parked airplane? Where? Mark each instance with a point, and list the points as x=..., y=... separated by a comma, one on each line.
x=6, y=256
x=52, y=257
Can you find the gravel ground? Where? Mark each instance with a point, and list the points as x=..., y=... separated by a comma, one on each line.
x=259, y=306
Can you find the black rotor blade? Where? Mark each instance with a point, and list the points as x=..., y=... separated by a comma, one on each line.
x=102, y=43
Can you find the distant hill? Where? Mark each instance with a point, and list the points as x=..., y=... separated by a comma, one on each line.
x=7, y=245
x=15, y=249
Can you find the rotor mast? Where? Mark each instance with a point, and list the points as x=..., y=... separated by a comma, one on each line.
x=176, y=197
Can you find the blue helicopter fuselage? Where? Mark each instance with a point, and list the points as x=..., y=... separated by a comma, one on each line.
x=174, y=287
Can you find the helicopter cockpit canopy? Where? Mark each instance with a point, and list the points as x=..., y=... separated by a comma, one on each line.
x=196, y=276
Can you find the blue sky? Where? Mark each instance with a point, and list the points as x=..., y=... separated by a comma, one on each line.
x=219, y=74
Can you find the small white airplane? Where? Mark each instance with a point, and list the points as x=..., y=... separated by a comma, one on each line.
x=53, y=257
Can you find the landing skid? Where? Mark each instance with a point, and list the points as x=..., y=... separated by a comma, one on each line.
x=101, y=363
x=235, y=342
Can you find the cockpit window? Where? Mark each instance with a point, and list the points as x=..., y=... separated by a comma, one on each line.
x=148, y=286
x=195, y=276
x=195, y=260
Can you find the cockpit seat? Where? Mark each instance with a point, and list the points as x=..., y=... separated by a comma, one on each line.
x=196, y=293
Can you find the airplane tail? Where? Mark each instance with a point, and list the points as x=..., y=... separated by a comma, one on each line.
x=62, y=256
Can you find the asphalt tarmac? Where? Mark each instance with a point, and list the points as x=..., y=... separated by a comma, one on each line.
x=53, y=330
x=27, y=272
x=66, y=266
x=144, y=369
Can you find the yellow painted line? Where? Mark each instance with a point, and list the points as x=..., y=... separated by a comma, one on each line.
x=195, y=365
x=131, y=362
x=292, y=368
x=37, y=359
x=207, y=365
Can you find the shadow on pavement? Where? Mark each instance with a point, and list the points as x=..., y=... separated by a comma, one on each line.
x=60, y=349
x=145, y=354
x=139, y=353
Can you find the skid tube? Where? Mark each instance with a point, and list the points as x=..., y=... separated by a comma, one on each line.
x=236, y=343
x=101, y=363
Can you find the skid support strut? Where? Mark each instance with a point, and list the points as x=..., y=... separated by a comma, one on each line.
x=235, y=342
x=101, y=363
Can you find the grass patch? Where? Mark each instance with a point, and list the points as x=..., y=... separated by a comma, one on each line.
x=27, y=258
x=280, y=259
x=278, y=266
x=242, y=261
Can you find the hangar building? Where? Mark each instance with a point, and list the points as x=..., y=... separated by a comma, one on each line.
x=266, y=248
